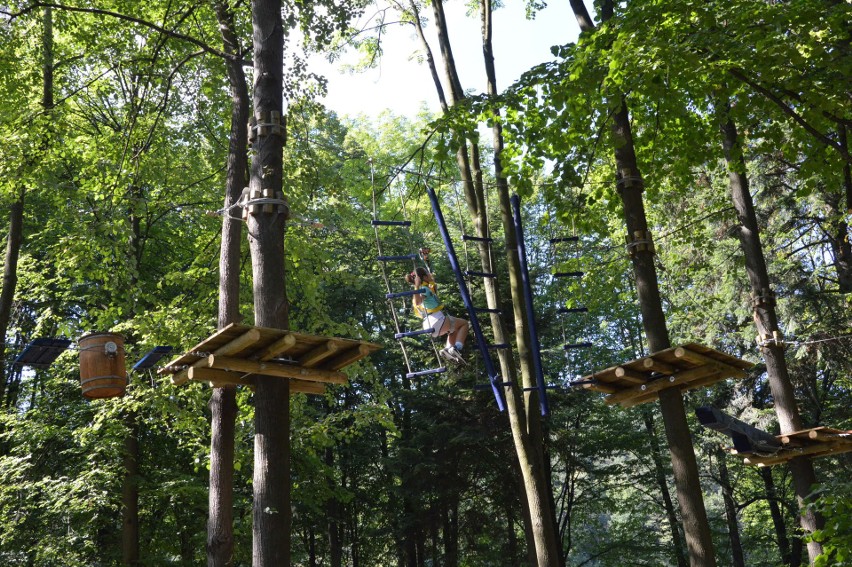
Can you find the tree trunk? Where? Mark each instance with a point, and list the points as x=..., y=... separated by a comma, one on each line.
x=530, y=443
x=737, y=558
x=10, y=280
x=130, y=492
x=838, y=233
x=335, y=545
x=663, y=485
x=223, y=405
x=696, y=527
x=766, y=319
x=271, y=513
x=778, y=519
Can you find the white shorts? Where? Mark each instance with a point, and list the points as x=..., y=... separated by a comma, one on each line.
x=436, y=321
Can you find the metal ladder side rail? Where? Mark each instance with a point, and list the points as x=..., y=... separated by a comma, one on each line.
x=530, y=310
x=493, y=376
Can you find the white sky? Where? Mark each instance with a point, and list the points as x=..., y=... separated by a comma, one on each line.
x=402, y=85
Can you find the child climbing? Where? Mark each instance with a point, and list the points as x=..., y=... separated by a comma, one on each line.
x=428, y=307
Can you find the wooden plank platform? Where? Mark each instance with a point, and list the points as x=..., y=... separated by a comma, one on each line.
x=236, y=354
x=811, y=443
x=686, y=367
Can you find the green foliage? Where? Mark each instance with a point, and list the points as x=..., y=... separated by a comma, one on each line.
x=834, y=502
x=118, y=178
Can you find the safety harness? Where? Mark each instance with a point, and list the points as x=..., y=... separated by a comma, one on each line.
x=422, y=311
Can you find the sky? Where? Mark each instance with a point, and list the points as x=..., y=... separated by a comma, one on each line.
x=402, y=85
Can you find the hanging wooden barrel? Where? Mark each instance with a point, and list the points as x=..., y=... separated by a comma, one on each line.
x=102, y=371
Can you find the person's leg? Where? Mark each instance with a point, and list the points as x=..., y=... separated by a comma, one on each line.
x=459, y=334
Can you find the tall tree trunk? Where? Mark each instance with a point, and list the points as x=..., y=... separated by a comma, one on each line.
x=766, y=319
x=737, y=558
x=696, y=527
x=778, y=523
x=529, y=444
x=271, y=513
x=130, y=492
x=14, y=240
x=476, y=206
x=223, y=405
x=838, y=233
x=663, y=485
x=132, y=455
x=335, y=545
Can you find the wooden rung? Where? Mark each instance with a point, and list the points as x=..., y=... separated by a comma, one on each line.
x=691, y=356
x=697, y=358
x=279, y=347
x=275, y=369
x=702, y=382
x=319, y=354
x=600, y=387
x=248, y=338
x=658, y=366
x=348, y=357
x=630, y=375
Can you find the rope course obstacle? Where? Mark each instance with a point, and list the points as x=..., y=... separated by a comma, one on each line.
x=757, y=447
x=236, y=354
x=565, y=252
x=686, y=367
x=403, y=253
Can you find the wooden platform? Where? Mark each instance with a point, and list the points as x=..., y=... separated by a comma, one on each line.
x=816, y=442
x=686, y=367
x=237, y=354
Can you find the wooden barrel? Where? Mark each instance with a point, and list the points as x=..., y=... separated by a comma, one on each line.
x=102, y=371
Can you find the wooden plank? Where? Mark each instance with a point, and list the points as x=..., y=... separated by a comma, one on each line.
x=631, y=376
x=702, y=382
x=276, y=369
x=658, y=366
x=701, y=359
x=306, y=387
x=348, y=357
x=692, y=385
x=600, y=387
x=319, y=354
x=170, y=367
x=181, y=377
x=220, y=377
x=279, y=347
x=816, y=450
x=246, y=339
x=661, y=384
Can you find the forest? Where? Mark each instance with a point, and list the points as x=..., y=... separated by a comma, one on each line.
x=682, y=174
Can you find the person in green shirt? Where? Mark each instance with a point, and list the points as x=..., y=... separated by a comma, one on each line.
x=428, y=307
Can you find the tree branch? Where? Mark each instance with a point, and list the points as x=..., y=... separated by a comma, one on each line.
x=125, y=17
x=789, y=111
